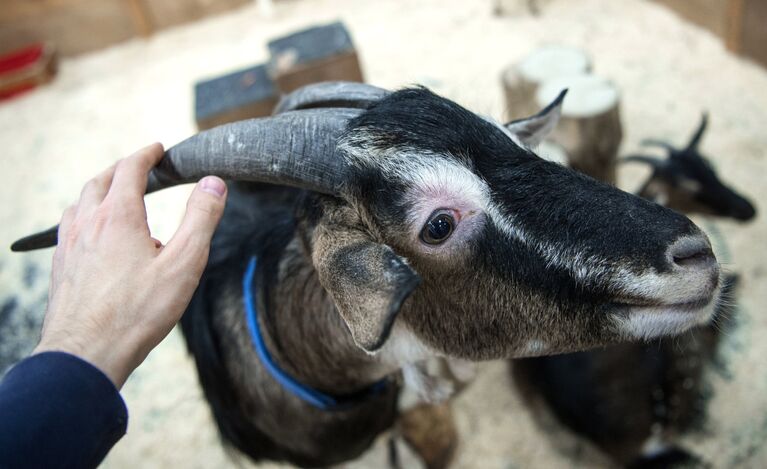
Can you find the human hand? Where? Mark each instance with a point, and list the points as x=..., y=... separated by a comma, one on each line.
x=115, y=291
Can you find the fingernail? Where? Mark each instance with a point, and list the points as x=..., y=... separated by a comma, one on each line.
x=213, y=185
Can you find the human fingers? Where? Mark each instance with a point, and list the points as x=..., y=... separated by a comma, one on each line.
x=130, y=176
x=191, y=242
x=95, y=190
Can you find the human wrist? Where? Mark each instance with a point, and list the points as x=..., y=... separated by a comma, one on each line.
x=114, y=358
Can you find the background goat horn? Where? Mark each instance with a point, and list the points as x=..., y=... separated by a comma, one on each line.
x=696, y=138
x=331, y=94
x=293, y=149
x=650, y=142
x=651, y=160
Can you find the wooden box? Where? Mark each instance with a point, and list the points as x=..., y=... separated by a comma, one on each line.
x=321, y=53
x=244, y=94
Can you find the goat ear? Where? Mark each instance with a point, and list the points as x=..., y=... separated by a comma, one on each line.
x=368, y=282
x=532, y=130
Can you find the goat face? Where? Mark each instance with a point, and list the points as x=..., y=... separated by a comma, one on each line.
x=498, y=252
x=685, y=181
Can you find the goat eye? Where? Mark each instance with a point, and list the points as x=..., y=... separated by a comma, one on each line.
x=439, y=227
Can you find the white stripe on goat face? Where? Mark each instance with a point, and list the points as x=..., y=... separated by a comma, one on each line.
x=443, y=184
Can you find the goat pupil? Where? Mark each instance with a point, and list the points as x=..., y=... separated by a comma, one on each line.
x=438, y=229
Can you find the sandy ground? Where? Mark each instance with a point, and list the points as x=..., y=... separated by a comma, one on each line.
x=105, y=105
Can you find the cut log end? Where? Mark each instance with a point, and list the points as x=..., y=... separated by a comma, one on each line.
x=554, y=61
x=522, y=80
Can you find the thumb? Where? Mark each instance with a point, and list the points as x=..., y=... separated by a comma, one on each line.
x=203, y=212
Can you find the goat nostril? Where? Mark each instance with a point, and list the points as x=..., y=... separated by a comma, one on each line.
x=702, y=257
x=692, y=253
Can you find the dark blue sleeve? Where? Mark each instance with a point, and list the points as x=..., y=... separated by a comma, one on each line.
x=57, y=410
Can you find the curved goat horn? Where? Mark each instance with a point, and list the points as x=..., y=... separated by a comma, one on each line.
x=293, y=149
x=650, y=142
x=331, y=94
x=698, y=135
x=651, y=160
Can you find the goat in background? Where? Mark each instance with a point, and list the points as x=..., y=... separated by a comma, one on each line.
x=685, y=181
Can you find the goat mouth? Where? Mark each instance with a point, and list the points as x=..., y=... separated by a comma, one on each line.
x=649, y=319
x=646, y=304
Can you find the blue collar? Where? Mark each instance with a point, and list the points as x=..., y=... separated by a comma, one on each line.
x=312, y=396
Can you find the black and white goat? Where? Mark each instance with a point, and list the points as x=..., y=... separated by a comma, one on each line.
x=394, y=227
x=632, y=400
x=686, y=182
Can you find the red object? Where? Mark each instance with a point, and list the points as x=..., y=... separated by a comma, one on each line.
x=10, y=93
x=24, y=69
x=20, y=58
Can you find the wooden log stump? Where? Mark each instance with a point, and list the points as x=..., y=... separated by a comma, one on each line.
x=244, y=94
x=521, y=81
x=590, y=127
x=322, y=53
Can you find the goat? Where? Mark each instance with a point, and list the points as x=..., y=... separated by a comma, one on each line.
x=361, y=238
x=632, y=399
x=686, y=182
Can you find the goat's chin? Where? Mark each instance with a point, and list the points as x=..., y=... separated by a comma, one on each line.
x=647, y=322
